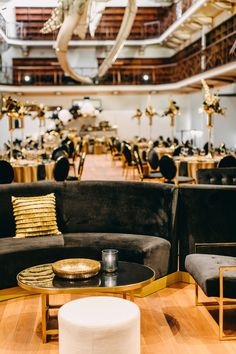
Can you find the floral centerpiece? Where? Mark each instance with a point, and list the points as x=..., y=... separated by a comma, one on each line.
x=15, y=110
x=211, y=105
x=150, y=113
x=138, y=115
x=171, y=112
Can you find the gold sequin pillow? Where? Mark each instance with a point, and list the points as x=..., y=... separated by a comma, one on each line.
x=35, y=216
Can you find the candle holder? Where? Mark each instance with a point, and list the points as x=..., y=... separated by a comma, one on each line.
x=110, y=260
x=110, y=279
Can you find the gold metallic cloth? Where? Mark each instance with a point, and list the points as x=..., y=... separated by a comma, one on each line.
x=35, y=216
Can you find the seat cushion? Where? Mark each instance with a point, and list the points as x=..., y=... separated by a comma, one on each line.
x=184, y=179
x=10, y=245
x=204, y=268
x=153, y=175
x=17, y=254
x=148, y=250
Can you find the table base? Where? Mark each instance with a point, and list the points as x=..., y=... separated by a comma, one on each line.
x=46, y=317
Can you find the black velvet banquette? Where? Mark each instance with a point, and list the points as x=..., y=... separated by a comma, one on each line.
x=146, y=222
x=206, y=220
x=138, y=219
x=220, y=176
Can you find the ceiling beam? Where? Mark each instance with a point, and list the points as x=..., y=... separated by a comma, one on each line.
x=203, y=19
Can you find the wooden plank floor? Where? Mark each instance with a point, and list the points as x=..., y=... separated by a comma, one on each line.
x=101, y=167
x=170, y=322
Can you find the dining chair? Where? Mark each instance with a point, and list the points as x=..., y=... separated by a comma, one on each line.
x=153, y=159
x=154, y=175
x=6, y=172
x=169, y=170
x=61, y=168
x=129, y=164
x=41, y=172
x=116, y=150
x=177, y=150
x=58, y=152
x=81, y=165
x=227, y=161
x=80, y=168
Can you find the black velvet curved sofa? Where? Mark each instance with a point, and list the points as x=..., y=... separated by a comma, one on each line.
x=138, y=219
x=147, y=222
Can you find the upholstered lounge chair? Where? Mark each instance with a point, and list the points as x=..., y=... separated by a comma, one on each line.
x=216, y=276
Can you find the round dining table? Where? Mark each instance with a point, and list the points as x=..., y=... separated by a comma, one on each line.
x=195, y=163
x=27, y=171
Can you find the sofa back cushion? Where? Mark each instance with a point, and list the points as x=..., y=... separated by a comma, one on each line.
x=135, y=208
x=97, y=206
x=122, y=207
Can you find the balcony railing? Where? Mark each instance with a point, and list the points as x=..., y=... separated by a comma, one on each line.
x=215, y=55
x=31, y=30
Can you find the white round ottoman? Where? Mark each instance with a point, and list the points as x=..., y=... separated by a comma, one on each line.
x=99, y=325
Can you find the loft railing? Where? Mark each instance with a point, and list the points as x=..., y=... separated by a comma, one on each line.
x=216, y=55
x=147, y=30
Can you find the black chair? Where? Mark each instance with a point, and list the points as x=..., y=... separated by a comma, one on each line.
x=127, y=152
x=206, y=148
x=6, y=172
x=169, y=170
x=80, y=168
x=81, y=165
x=144, y=155
x=58, y=152
x=70, y=148
x=177, y=151
x=129, y=164
x=153, y=159
x=183, y=168
x=116, y=149
x=61, y=169
x=139, y=164
x=227, y=161
x=41, y=172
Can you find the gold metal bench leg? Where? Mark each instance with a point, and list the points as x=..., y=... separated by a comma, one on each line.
x=221, y=303
x=44, y=305
x=196, y=295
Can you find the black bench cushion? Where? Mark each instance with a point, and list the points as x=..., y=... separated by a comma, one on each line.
x=11, y=245
x=18, y=254
x=149, y=250
x=204, y=268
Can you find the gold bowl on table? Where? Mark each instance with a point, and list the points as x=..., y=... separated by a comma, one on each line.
x=76, y=268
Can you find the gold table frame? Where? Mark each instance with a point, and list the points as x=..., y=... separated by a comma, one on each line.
x=126, y=291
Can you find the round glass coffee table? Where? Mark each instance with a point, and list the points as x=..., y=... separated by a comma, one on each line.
x=41, y=279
